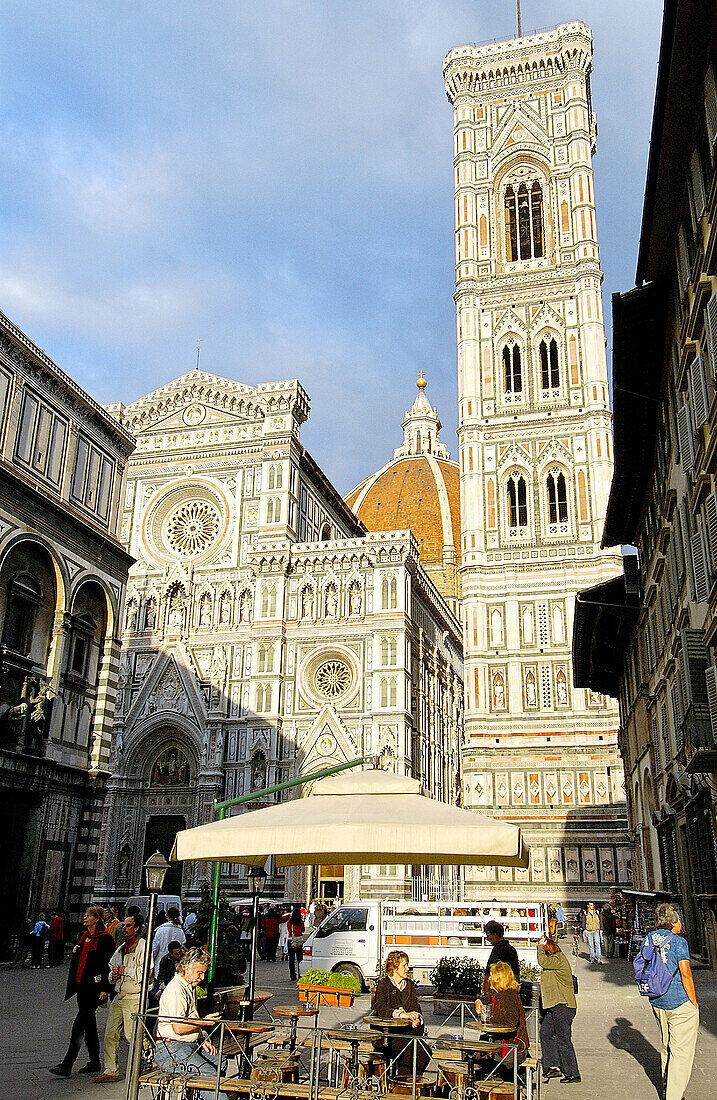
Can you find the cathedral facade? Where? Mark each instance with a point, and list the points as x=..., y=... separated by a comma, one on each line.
x=535, y=441
x=266, y=635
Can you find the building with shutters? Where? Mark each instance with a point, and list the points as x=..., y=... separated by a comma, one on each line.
x=535, y=456
x=266, y=634
x=62, y=581
x=650, y=638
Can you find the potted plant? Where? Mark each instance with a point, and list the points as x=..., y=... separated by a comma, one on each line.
x=529, y=983
x=325, y=987
x=455, y=980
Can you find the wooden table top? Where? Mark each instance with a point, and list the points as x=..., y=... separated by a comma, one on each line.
x=380, y=1022
x=247, y=1025
x=470, y=1045
x=295, y=1010
x=353, y=1036
x=491, y=1029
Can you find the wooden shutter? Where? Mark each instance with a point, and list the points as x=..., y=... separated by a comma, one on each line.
x=684, y=435
x=711, y=104
x=711, y=681
x=699, y=400
x=699, y=566
x=698, y=187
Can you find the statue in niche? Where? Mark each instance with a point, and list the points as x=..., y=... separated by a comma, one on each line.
x=245, y=608
x=132, y=617
x=562, y=691
x=531, y=695
x=258, y=771
x=332, y=602
x=125, y=857
x=219, y=665
x=205, y=612
x=150, y=615
x=498, y=693
x=171, y=769
x=174, y=619
x=354, y=600
x=307, y=603
x=224, y=609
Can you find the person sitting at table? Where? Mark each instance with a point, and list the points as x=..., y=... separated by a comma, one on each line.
x=180, y=1039
x=396, y=999
x=506, y=1011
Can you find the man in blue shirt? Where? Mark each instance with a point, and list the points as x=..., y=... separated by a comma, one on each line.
x=676, y=1010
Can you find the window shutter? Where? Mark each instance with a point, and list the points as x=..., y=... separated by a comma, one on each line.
x=684, y=435
x=711, y=104
x=694, y=652
x=711, y=529
x=698, y=188
x=711, y=681
x=683, y=262
x=711, y=325
x=699, y=566
x=699, y=400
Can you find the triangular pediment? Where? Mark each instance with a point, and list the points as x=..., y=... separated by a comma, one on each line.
x=327, y=739
x=170, y=688
x=514, y=454
x=520, y=127
x=546, y=317
x=509, y=321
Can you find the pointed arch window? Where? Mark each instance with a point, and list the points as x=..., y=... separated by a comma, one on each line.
x=549, y=368
x=523, y=212
x=517, y=501
x=557, y=498
x=268, y=601
x=512, y=370
x=270, y=509
x=270, y=478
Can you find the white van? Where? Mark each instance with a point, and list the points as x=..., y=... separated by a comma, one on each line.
x=357, y=935
x=164, y=901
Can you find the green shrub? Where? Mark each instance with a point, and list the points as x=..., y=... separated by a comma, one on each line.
x=457, y=976
x=327, y=977
x=529, y=972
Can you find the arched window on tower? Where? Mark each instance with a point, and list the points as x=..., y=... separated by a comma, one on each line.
x=517, y=501
x=549, y=368
x=512, y=373
x=557, y=498
x=523, y=212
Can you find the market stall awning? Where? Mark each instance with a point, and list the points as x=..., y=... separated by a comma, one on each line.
x=362, y=817
x=604, y=615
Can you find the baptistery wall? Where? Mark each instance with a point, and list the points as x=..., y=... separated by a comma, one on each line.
x=266, y=634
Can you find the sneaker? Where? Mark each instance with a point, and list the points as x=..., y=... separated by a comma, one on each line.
x=570, y=1080
x=105, y=1078
x=548, y=1074
x=60, y=1071
x=90, y=1068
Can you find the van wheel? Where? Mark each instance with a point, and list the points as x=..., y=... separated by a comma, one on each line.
x=349, y=968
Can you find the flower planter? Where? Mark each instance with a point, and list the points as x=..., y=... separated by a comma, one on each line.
x=326, y=995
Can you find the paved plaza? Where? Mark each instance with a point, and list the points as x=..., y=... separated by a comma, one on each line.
x=615, y=1035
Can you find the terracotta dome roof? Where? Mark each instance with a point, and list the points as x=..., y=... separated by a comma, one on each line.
x=420, y=492
x=418, y=489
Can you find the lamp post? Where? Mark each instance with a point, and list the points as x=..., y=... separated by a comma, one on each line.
x=256, y=880
x=155, y=870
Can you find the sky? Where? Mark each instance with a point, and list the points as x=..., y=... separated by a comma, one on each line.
x=275, y=180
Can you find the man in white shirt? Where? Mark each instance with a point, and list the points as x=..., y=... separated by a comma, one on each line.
x=165, y=934
x=180, y=1035
x=126, y=976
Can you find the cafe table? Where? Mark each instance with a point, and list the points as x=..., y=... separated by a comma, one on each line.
x=472, y=1049
x=295, y=1013
x=355, y=1038
x=498, y=1030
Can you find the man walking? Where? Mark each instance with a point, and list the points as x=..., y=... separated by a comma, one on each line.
x=607, y=923
x=56, y=943
x=676, y=1011
x=592, y=931
x=167, y=933
x=503, y=951
x=126, y=976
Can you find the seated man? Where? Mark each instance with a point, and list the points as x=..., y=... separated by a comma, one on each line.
x=180, y=1038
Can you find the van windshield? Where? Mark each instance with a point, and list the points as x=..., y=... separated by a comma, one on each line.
x=344, y=920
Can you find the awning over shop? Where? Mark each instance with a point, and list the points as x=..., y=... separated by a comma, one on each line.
x=603, y=617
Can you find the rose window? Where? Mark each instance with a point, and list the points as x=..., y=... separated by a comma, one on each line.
x=193, y=528
x=332, y=678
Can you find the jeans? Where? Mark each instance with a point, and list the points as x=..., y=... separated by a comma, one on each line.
x=594, y=945
x=609, y=943
x=556, y=1040
x=85, y=1025
x=295, y=957
x=170, y=1053
x=679, y=1028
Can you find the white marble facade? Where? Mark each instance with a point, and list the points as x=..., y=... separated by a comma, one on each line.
x=266, y=633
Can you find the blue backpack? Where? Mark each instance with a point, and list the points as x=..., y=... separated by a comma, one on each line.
x=652, y=975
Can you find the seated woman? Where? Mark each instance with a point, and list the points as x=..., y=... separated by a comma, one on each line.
x=507, y=1011
x=396, y=999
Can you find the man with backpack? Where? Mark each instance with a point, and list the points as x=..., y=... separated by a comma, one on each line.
x=664, y=975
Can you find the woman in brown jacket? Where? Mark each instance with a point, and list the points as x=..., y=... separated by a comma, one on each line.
x=396, y=999
x=507, y=1011
x=557, y=997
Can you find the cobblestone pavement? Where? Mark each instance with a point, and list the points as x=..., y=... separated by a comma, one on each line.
x=616, y=1037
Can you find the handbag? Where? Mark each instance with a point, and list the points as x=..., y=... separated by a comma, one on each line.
x=575, y=983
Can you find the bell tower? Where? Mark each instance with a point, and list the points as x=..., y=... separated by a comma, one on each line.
x=535, y=446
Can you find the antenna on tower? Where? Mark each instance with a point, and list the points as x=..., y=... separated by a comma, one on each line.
x=520, y=21
x=199, y=349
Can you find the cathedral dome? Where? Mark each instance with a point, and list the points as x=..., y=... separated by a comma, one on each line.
x=419, y=489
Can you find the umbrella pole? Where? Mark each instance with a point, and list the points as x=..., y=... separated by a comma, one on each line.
x=220, y=809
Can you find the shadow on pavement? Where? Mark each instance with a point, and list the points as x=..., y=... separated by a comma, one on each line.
x=624, y=1036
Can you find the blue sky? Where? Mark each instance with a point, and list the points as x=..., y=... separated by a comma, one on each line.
x=275, y=179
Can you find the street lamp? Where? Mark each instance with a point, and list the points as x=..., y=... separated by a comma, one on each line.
x=155, y=870
x=256, y=880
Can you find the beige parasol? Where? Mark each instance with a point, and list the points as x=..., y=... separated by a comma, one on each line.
x=361, y=817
